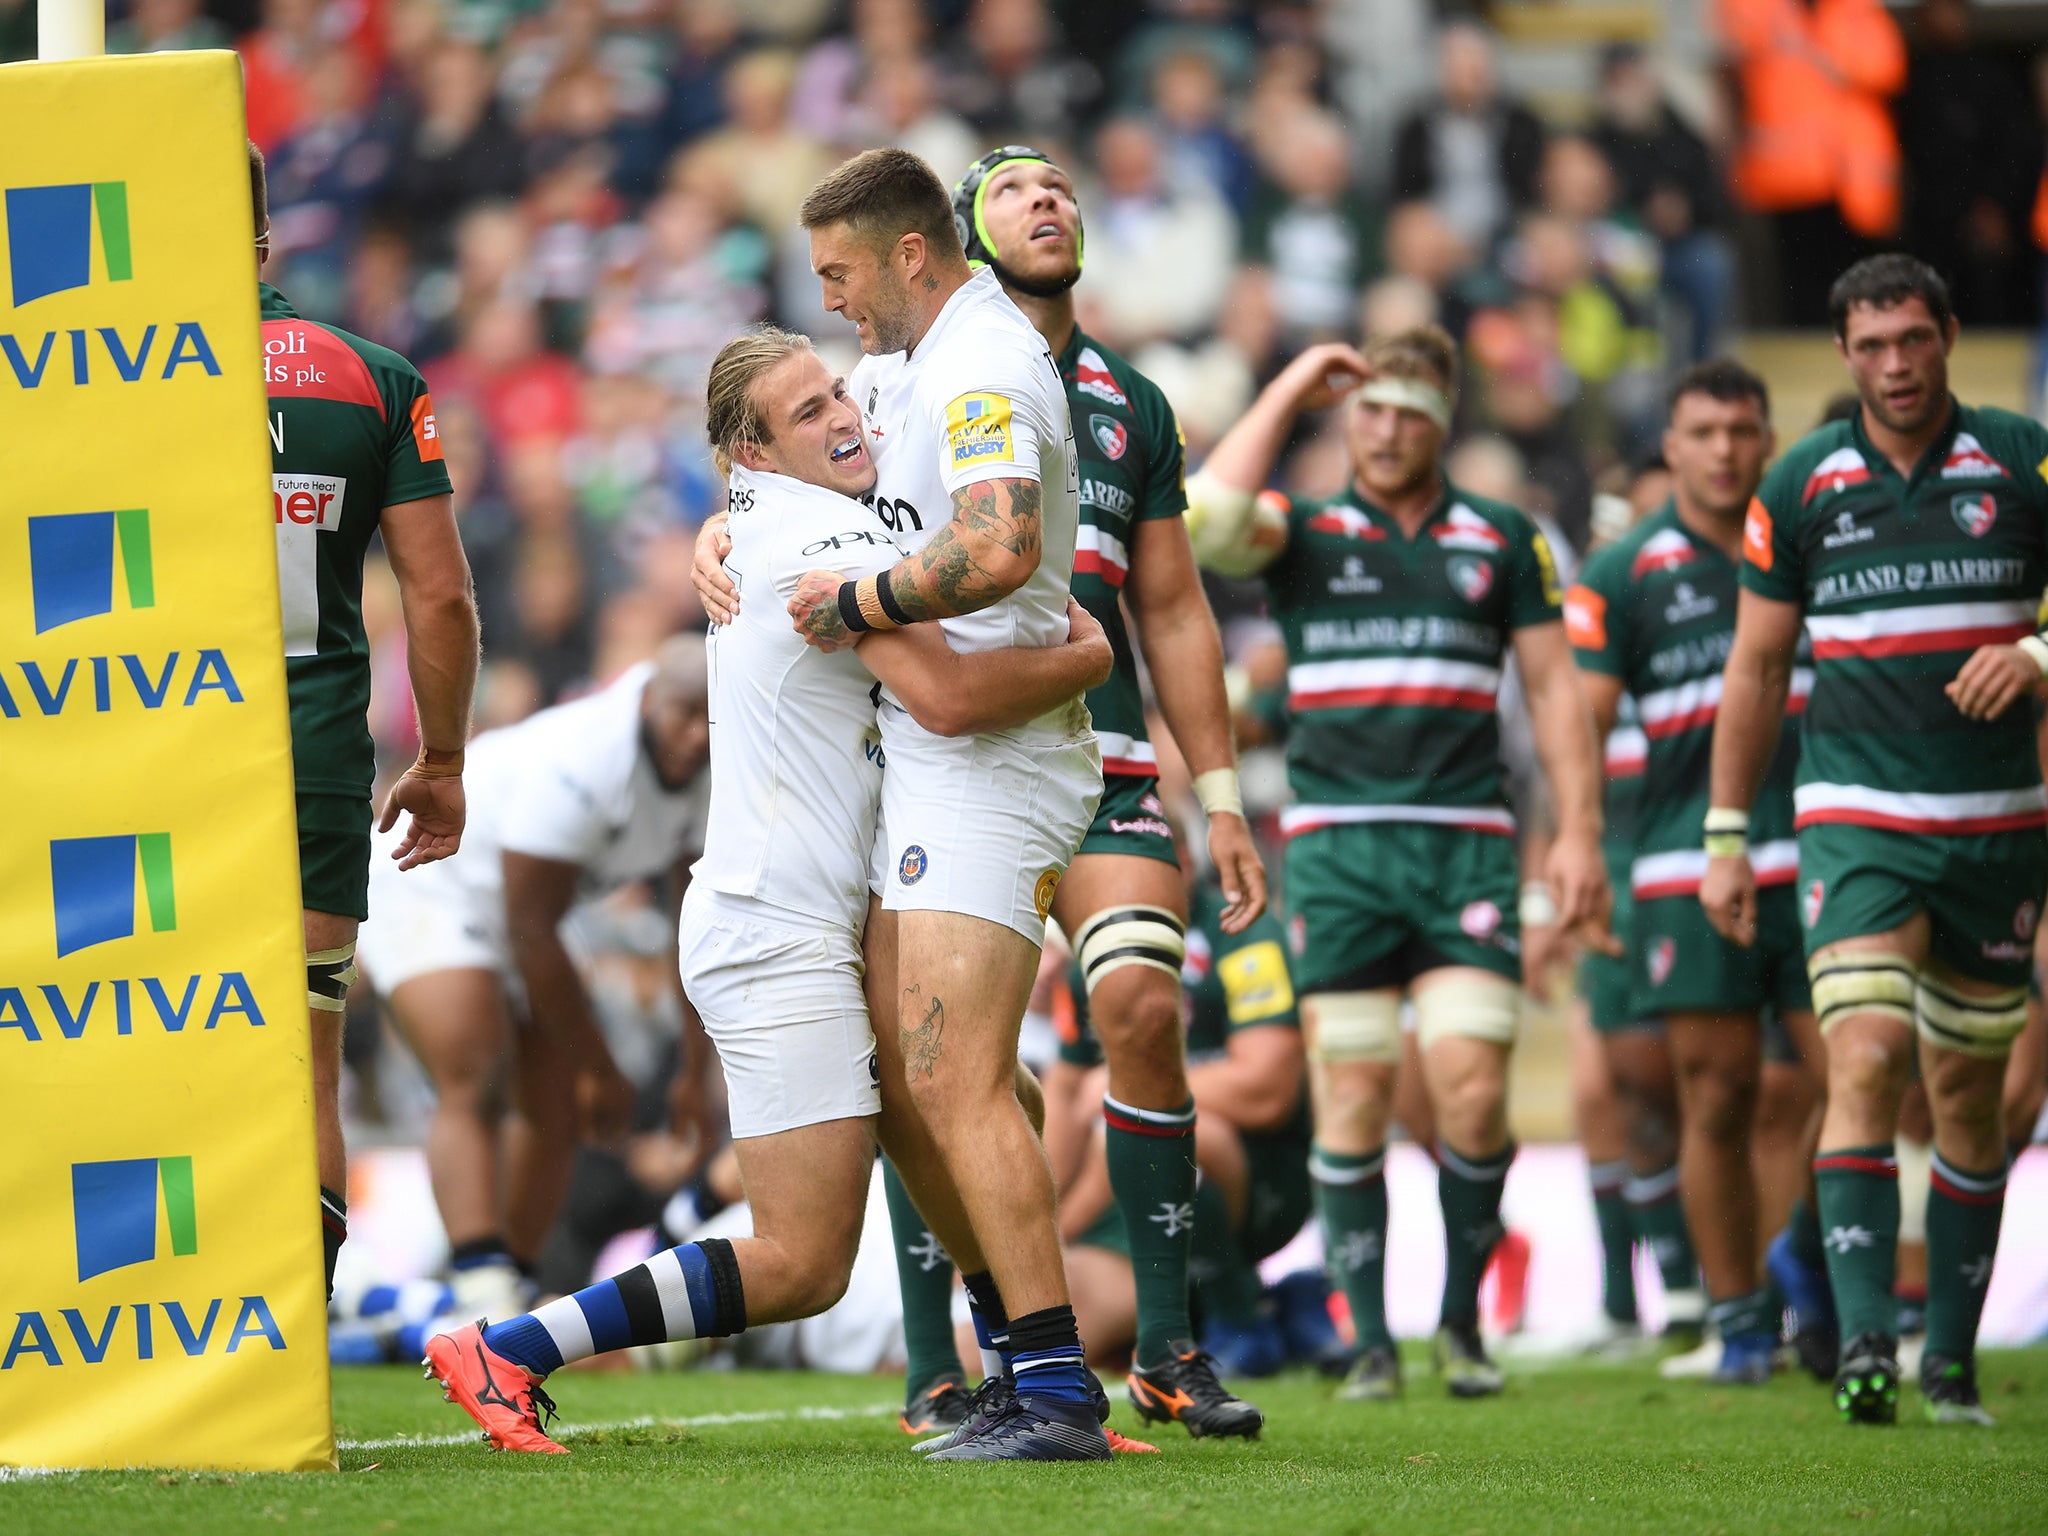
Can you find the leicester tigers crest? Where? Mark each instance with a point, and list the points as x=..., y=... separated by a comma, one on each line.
x=1109, y=434
x=1975, y=513
x=1472, y=576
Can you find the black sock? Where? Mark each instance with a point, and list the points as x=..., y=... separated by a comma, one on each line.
x=478, y=1251
x=333, y=1230
x=1045, y=1354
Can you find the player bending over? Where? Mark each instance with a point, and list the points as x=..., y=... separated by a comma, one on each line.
x=1909, y=541
x=771, y=934
x=1399, y=598
x=567, y=805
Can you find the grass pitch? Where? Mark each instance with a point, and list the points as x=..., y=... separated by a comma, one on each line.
x=1583, y=1449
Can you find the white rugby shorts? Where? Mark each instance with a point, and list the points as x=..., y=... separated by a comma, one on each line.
x=984, y=826
x=780, y=996
x=428, y=919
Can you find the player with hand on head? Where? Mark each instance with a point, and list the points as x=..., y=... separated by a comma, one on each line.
x=567, y=805
x=1399, y=598
x=1911, y=543
x=1652, y=617
x=355, y=453
x=772, y=924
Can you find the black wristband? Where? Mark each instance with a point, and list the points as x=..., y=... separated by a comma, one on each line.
x=887, y=599
x=849, y=608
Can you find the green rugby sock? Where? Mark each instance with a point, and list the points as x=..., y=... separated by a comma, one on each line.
x=1752, y=1312
x=1660, y=1222
x=1351, y=1198
x=1963, y=1211
x=1803, y=1227
x=1617, y=1240
x=1858, y=1189
x=1152, y=1173
x=1469, y=1190
x=1224, y=1275
x=924, y=1274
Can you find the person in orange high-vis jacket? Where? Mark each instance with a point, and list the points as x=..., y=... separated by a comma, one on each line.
x=1818, y=152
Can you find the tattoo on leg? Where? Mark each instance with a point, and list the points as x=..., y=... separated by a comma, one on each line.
x=921, y=1043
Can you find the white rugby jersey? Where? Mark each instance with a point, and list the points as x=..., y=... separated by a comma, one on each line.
x=572, y=783
x=796, y=761
x=979, y=398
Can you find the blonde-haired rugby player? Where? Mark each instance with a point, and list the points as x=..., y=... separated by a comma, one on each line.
x=772, y=924
x=1399, y=598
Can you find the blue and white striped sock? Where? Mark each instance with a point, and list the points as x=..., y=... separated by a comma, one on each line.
x=991, y=1322
x=1046, y=1355
x=691, y=1292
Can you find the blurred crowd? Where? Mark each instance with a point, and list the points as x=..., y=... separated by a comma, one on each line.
x=561, y=209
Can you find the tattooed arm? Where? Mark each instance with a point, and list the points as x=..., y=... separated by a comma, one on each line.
x=989, y=550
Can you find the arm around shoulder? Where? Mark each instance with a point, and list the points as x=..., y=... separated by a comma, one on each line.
x=950, y=694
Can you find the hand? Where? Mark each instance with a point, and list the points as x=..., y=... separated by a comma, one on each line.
x=1728, y=892
x=686, y=1105
x=721, y=599
x=661, y=1162
x=1992, y=679
x=1325, y=374
x=437, y=806
x=1577, y=872
x=604, y=1102
x=815, y=610
x=1083, y=629
x=1545, y=949
x=1240, y=868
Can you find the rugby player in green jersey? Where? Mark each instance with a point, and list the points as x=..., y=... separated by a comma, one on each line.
x=1399, y=598
x=1912, y=542
x=354, y=453
x=1652, y=617
x=1122, y=898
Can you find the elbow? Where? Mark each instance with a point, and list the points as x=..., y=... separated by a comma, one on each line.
x=1009, y=569
x=941, y=715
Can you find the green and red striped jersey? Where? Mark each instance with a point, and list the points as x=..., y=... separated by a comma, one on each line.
x=1394, y=650
x=351, y=432
x=1900, y=579
x=1132, y=471
x=1656, y=609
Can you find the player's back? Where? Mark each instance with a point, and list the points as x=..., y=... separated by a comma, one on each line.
x=351, y=432
x=979, y=398
x=796, y=762
x=572, y=783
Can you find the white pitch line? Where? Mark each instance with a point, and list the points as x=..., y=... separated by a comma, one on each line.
x=642, y=1421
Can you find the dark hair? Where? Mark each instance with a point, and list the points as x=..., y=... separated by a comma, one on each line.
x=1885, y=281
x=1841, y=407
x=883, y=195
x=259, y=193
x=1719, y=378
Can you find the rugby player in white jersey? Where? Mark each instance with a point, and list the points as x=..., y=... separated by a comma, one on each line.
x=467, y=953
x=980, y=481
x=772, y=923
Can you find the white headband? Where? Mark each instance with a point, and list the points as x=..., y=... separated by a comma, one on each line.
x=1410, y=395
